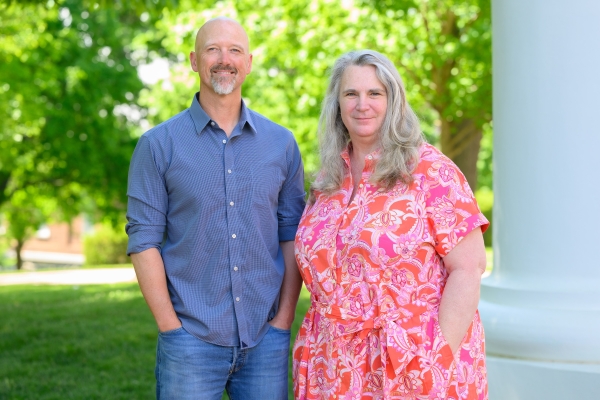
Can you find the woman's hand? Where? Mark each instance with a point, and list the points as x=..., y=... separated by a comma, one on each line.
x=465, y=264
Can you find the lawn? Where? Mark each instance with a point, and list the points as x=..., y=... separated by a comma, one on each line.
x=80, y=342
x=83, y=342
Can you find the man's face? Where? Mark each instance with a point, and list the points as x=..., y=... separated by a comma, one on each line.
x=222, y=58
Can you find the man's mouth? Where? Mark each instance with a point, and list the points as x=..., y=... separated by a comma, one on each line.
x=223, y=71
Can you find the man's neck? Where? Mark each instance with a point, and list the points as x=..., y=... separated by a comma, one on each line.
x=223, y=109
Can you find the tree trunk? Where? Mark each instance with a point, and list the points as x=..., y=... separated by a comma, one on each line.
x=4, y=179
x=18, y=249
x=460, y=141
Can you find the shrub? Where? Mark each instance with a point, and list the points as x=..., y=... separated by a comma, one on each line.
x=106, y=246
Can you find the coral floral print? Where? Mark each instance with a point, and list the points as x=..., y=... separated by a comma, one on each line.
x=375, y=273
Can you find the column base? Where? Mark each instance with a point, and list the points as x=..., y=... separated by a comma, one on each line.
x=514, y=379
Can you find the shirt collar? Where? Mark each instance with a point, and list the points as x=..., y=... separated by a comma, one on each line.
x=201, y=118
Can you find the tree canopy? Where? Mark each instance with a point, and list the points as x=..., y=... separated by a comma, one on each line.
x=72, y=105
x=442, y=49
x=65, y=72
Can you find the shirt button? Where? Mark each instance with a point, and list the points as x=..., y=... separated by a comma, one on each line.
x=370, y=157
x=224, y=141
x=228, y=171
x=233, y=236
x=237, y=299
x=212, y=123
x=231, y=203
x=235, y=268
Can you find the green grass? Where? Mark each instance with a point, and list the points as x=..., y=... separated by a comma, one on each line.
x=81, y=342
x=69, y=342
x=84, y=342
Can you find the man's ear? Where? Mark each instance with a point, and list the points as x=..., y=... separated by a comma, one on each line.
x=250, y=63
x=193, y=61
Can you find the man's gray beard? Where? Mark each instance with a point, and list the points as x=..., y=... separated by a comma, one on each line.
x=222, y=85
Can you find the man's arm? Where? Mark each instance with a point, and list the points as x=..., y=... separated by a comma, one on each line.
x=290, y=289
x=465, y=264
x=150, y=271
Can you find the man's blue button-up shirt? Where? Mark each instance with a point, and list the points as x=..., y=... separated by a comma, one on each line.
x=217, y=207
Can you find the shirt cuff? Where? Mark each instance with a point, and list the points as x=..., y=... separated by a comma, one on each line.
x=287, y=233
x=144, y=240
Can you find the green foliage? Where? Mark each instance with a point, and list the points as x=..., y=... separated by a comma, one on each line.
x=443, y=49
x=485, y=166
x=68, y=76
x=5, y=260
x=447, y=54
x=64, y=72
x=293, y=49
x=71, y=103
x=106, y=245
x=485, y=200
x=141, y=6
x=298, y=42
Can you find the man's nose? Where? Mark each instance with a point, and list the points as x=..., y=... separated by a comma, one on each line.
x=224, y=58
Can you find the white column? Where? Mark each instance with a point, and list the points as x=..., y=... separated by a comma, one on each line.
x=541, y=304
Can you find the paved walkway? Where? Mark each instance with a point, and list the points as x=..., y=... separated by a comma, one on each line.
x=70, y=277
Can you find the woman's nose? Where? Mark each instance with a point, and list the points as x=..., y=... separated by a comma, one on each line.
x=362, y=103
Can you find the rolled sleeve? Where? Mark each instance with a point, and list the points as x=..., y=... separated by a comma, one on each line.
x=292, y=195
x=147, y=200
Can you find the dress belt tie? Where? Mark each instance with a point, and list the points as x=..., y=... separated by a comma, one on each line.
x=397, y=342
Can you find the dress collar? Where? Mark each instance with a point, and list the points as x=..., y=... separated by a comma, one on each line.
x=370, y=159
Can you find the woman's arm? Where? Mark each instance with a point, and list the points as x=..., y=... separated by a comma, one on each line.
x=465, y=264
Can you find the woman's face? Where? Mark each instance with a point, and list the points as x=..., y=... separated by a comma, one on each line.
x=363, y=104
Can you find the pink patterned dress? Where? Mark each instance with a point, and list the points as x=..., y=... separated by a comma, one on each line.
x=375, y=272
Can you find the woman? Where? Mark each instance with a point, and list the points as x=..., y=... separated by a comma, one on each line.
x=390, y=247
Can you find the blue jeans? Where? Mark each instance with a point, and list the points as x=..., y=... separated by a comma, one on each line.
x=189, y=368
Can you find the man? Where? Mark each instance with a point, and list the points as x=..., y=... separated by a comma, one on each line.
x=215, y=197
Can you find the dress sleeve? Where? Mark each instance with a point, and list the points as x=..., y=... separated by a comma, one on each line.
x=451, y=206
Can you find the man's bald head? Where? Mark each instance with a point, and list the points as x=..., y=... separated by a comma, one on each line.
x=222, y=57
x=215, y=25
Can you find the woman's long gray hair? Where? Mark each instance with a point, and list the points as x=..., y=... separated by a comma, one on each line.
x=400, y=136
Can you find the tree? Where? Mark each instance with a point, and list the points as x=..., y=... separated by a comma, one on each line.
x=66, y=71
x=71, y=103
x=444, y=49
x=294, y=44
x=25, y=213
